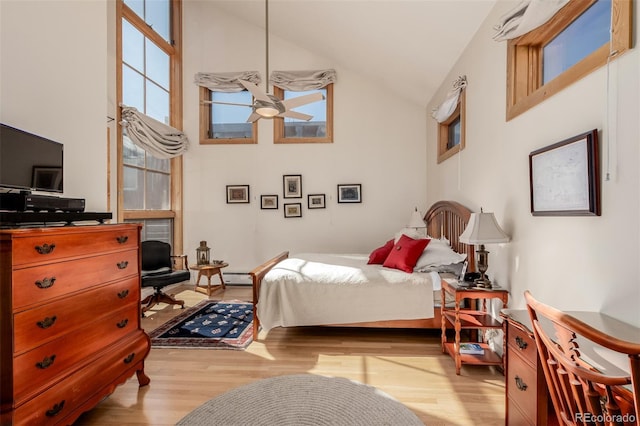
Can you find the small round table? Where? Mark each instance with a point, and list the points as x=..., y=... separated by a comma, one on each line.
x=208, y=271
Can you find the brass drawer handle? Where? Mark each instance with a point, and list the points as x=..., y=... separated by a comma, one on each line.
x=521, y=343
x=45, y=283
x=123, y=323
x=129, y=358
x=123, y=264
x=47, y=322
x=46, y=362
x=122, y=239
x=124, y=293
x=55, y=409
x=520, y=384
x=45, y=248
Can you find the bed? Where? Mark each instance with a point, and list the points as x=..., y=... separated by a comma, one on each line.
x=293, y=291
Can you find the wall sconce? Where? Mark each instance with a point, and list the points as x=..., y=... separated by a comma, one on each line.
x=203, y=254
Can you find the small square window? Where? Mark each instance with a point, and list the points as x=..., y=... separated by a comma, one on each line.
x=317, y=130
x=451, y=131
x=226, y=122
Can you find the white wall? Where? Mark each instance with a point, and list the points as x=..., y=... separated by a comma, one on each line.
x=381, y=148
x=574, y=263
x=53, y=83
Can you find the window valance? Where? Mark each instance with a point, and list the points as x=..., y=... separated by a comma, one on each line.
x=443, y=111
x=527, y=16
x=226, y=81
x=155, y=137
x=300, y=81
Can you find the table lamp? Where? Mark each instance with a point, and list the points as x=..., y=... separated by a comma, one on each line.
x=483, y=229
x=417, y=222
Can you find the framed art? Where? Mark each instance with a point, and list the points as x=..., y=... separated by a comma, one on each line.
x=565, y=177
x=269, y=202
x=237, y=194
x=351, y=193
x=316, y=201
x=292, y=186
x=293, y=210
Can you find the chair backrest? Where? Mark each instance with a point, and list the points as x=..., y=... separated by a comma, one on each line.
x=155, y=255
x=581, y=394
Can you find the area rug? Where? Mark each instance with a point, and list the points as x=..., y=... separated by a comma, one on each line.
x=302, y=399
x=208, y=325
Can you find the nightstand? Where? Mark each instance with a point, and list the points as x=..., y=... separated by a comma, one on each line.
x=470, y=319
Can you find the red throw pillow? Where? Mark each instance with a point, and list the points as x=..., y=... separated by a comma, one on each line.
x=378, y=256
x=405, y=253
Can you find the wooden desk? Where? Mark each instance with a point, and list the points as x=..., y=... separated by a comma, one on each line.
x=208, y=271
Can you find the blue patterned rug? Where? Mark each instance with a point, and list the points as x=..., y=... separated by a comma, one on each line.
x=209, y=325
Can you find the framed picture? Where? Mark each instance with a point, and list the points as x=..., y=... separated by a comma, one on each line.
x=293, y=210
x=350, y=193
x=565, y=177
x=237, y=194
x=316, y=201
x=269, y=202
x=292, y=186
x=47, y=178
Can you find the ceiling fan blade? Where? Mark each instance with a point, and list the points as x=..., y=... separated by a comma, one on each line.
x=253, y=117
x=297, y=115
x=226, y=103
x=257, y=92
x=302, y=100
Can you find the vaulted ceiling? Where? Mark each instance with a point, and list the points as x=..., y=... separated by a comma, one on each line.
x=407, y=45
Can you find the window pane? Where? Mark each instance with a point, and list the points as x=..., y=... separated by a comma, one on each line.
x=157, y=102
x=453, y=133
x=132, y=154
x=157, y=15
x=133, y=188
x=157, y=191
x=585, y=35
x=159, y=164
x=230, y=121
x=157, y=62
x=137, y=6
x=317, y=126
x=132, y=46
x=155, y=229
x=132, y=88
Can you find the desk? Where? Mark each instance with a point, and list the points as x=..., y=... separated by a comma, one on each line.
x=208, y=271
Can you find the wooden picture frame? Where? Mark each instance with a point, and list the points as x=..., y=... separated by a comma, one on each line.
x=292, y=186
x=269, y=202
x=565, y=177
x=316, y=201
x=237, y=194
x=292, y=210
x=350, y=193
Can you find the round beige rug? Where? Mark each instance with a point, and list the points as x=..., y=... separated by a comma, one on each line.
x=299, y=400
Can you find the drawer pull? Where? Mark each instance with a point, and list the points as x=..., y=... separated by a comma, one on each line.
x=122, y=239
x=520, y=384
x=47, y=322
x=521, y=343
x=46, y=362
x=45, y=283
x=129, y=358
x=123, y=264
x=123, y=323
x=55, y=409
x=45, y=248
x=124, y=293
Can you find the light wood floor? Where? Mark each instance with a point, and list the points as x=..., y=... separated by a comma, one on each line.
x=406, y=364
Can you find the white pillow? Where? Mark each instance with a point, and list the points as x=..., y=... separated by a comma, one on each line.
x=437, y=253
x=409, y=232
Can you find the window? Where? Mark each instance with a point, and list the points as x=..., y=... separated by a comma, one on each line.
x=575, y=42
x=317, y=130
x=149, y=188
x=451, y=131
x=226, y=124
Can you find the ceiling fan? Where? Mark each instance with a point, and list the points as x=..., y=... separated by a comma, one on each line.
x=266, y=105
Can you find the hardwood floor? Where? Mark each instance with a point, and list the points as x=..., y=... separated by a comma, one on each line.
x=406, y=364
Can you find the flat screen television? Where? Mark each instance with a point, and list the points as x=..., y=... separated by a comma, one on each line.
x=29, y=162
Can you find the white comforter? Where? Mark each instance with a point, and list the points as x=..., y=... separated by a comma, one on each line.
x=316, y=289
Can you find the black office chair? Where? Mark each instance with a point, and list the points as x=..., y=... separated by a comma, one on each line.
x=159, y=270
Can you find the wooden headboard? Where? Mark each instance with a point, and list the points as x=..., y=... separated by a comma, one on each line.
x=448, y=219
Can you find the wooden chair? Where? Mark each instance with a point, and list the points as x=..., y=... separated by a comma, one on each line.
x=581, y=394
x=158, y=270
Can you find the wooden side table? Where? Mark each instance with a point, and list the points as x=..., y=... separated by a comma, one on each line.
x=469, y=319
x=208, y=271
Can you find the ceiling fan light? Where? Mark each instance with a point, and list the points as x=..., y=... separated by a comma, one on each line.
x=267, y=111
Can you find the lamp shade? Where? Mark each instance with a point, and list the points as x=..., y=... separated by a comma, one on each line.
x=483, y=229
x=416, y=220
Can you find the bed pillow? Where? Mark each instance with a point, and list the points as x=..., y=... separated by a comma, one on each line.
x=405, y=253
x=437, y=253
x=378, y=256
x=409, y=232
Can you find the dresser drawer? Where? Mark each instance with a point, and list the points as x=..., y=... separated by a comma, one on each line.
x=39, y=284
x=49, y=321
x=521, y=342
x=36, y=368
x=522, y=384
x=516, y=418
x=49, y=247
x=57, y=402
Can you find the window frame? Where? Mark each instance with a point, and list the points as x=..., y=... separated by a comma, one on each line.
x=524, y=55
x=206, y=124
x=278, y=122
x=443, y=130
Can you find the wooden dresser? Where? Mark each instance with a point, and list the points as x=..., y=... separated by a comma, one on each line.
x=69, y=319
